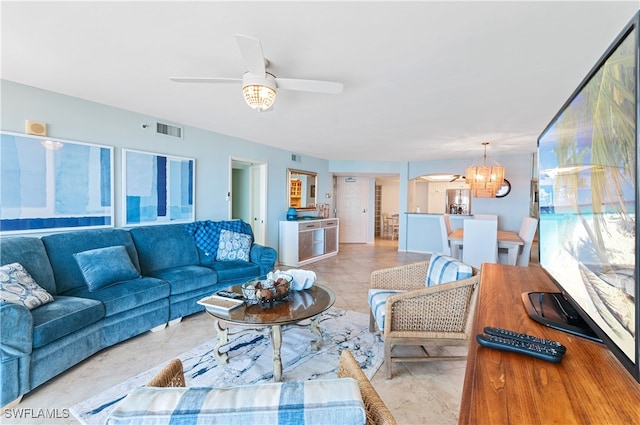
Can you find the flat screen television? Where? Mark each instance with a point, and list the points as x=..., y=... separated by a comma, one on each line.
x=588, y=198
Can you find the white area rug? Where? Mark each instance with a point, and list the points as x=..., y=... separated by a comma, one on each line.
x=251, y=360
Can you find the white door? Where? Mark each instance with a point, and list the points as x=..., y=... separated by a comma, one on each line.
x=258, y=202
x=352, y=199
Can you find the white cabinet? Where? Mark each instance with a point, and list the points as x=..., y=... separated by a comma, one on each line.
x=437, y=200
x=303, y=242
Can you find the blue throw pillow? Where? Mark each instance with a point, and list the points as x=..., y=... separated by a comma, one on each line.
x=444, y=269
x=233, y=246
x=106, y=266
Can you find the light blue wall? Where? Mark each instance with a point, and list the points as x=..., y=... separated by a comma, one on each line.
x=80, y=120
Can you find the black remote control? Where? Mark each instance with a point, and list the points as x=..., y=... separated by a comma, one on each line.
x=525, y=338
x=230, y=294
x=529, y=348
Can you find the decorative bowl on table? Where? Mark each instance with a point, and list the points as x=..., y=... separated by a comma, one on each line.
x=267, y=290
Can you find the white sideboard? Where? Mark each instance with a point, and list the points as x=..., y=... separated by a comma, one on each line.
x=305, y=241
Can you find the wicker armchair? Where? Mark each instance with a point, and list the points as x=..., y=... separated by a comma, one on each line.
x=439, y=315
x=377, y=411
x=172, y=375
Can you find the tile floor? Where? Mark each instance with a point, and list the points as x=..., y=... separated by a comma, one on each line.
x=419, y=393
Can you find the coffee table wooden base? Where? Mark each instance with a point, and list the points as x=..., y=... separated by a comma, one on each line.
x=275, y=332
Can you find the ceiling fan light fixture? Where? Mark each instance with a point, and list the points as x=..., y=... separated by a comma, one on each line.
x=259, y=93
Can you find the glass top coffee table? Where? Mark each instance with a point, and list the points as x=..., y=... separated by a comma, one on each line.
x=300, y=305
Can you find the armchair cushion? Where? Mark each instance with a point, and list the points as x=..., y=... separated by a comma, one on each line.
x=326, y=401
x=377, y=302
x=446, y=269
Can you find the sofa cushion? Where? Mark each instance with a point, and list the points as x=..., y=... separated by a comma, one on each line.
x=61, y=247
x=233, y=246
x=29, y=252
x=446, y=269
x=126, y=295
x=105, y=266
x=235, y=271
x=378, y=301
x=324, y=401
x=62, y=317
x=164, y=247
x=187, y=278
x=18, y=287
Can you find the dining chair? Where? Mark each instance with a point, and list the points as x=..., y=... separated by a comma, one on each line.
x=480, y=242
x=395, y=225
x=485, y=216
x=386, y=224
x=445, y=229
x=527, y=232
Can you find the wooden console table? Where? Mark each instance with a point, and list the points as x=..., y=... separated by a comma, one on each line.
x=588, y=386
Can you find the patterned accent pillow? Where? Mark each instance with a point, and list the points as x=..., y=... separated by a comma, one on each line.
x=444, y=269
x=233, y=246
x=18, y=287
x=207, y=233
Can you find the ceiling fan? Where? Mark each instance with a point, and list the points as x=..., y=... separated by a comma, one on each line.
x=259, y=85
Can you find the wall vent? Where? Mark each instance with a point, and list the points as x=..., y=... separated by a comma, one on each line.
x=169, y=130
x=296, y=158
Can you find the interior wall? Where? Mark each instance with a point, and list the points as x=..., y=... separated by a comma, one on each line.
x=74, y=119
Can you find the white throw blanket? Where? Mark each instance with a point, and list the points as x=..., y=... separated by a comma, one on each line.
x=302, y=279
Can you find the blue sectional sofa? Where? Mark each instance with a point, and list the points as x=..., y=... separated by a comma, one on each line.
x=109, y=285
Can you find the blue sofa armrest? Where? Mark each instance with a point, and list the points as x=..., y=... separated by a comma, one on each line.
x=263, y=256
x=325, y=401
x=16, y=331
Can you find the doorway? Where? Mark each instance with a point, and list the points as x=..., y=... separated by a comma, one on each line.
x=248, y=192
x=352, y=204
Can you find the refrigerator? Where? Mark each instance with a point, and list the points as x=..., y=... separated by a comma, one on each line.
x=459, y=201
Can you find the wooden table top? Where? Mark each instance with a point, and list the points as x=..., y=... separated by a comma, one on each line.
x=589, y=386
x=503, y=236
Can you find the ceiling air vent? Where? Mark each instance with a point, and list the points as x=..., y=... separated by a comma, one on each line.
x=169, y=130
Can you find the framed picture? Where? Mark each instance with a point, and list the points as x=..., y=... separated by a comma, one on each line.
x=53, y=184
x=157, y=188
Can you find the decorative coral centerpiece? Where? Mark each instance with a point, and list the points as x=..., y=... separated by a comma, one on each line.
x=267, y=290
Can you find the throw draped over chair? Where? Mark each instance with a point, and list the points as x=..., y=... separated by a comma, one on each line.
x=408, y=312
x=480, y=242
x=527, y=232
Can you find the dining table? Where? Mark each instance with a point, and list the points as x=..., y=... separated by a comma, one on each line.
x=506, y=239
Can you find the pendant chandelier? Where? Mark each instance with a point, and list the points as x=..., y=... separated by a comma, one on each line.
x=485, y=180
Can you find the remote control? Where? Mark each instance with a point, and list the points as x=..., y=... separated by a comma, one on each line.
x=505, y=333
x=529, y=348
x=230, y=294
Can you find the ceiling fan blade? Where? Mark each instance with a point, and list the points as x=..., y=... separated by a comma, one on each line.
x=251, y=51
x=205, y=80
x=316, y=86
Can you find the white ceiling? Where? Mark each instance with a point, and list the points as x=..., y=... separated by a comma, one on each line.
x=422, y=80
